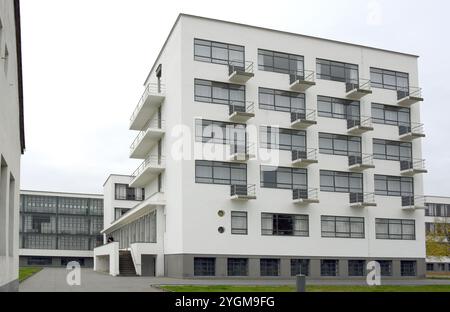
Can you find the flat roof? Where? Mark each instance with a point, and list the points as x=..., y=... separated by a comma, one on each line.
x=25, y=192
x=116, y=175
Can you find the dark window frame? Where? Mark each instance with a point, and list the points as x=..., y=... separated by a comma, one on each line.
x=339, y=137
x=276, y=218
x=265, y=132
x=350, y=108
x=219, y=45
x=394, y=236
x=283, y=185
x=230, y=132
x=222, y=85
x=239, y=231
x=341, y=174
x=218, y=164
x=237, y=267
x=269, y=267
x=391, y=179
x=346, y=67
x=203, y=268
x=387, y=144
x=300, y=266
x=350, y=220
x=383, y=84
x=327, y=270
x=289, y=57
x=394, y=110
x=275, y=94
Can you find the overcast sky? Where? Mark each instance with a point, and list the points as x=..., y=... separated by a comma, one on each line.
x=85, y=61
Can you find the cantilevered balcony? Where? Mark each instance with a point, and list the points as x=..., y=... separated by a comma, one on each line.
x=239, y=72
x=153, y=131
x=413, y=202
x=409, y=97
x=412, y=167
x=148, y=171
x=361, y=162
x=304, y=118
x=359, y=126
x=305, y=196
x=302, y=80
x=362, y=200
x=357, y=90
x=243, y=192
x=240, y=112
x=411, y=132
x=242, y=152
x=149, y=103
x=304, y=158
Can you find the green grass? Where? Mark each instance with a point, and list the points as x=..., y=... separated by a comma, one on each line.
x=312, y=288
x=27, y=272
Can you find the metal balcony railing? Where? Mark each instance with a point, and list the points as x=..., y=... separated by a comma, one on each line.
x=239, y=107
x=409, y=92
x=415, y=164
x=364, y=121
x=151, y=89
x=151, y=161
x=155, y=123
x=243, y=190
x=241, y=148
x=240, y=66
x=363, y=159
x=368, y=198
x=416, y=128
x=413, y=201
x=306, y=154
x=303, y=114
x=362, y=84
x=302, y=75
x=305, y=193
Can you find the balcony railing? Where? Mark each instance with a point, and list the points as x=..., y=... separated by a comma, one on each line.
x=241, y=148
x=240, y=66
x=151, y=89
x=413, y=202
x=302, y=76
x=363, y=122
x=413, y=128
x=412, y=92
x=243, y=190
x=241, y=112
x=363, y=159
x=155, y=123
x=363, y=85
x=151, y=161
x=311, y=194
x=413, y=166
x=306, y=154
x=362, y=199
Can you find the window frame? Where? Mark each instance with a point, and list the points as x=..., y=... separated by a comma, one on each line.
x=394, y=110
x=267, y=132
x=341, y=219
x=217, y=44
x=228, y=87
x=347, y=67
x=286, y=170
x=219, y=164
x=275, y=94
x=385, y=85
x=282, y=55
x=388, y=143
x=334, y=103
x=339, y=137
x=393, y=179
x=392, y=236
x=239, y=231
x=341, y=174
x=275, y=218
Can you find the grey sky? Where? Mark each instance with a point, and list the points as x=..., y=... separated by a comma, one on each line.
x=85, y=62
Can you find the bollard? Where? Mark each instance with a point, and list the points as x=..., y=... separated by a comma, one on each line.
x=301, y=283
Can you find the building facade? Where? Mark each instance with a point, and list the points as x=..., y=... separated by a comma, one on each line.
x=12, y=141
x=58, y=228
x=271, y=154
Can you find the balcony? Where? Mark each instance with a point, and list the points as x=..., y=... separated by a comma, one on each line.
x=413, y=202
x=358, y=127
x=148, y=171
x=406, y=98
x=243, y=192
x=305, y=196
x=240, y=73
x=411, y=132
x=412, y=167
x=361, y=162
x=304, y=158
x=356, y=91
x=146, y=139
x=362, y=200
x=241, y=152
x=240, y=112
x=303, y=119
x=149, y=103
x=302, y=80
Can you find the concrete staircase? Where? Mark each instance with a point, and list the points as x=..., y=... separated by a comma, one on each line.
x=126, y=265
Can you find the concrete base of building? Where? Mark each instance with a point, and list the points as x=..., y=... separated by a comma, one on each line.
x=182, y=266
x=37, y=261
x=10, y=287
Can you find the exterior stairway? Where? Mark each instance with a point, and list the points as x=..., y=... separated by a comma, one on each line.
x=126, y=265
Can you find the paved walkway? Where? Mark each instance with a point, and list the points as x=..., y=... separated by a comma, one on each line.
x=54, y=279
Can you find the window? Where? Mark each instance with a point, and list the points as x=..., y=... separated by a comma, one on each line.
x=356, y=267
x=41, y=261
x=430, y=267
x=279, y=62
x=219, y=53
x=299, y=266
x=239, y=223
x=283, y=101
x=237, y=267
x=388, y=79
x=283, y=178
x=408, y=268
x=337, y=71
x=41, y=204
x=329, y=267
x=282, y=139
x=341, y=182
x=284, y=225
x=219, y=132
x=39, y=224
x=392, y=150
x=342, y=227
x=214, y=172
x=219, y=93
x=386, y=267
x=119, y=212
x=334, y=144
x=39, y=241
x=394, y=186
x=204, y=266
x=124, y=192
x=96, y=207
x=338, y=108
x=270, y=267
x=396, y=229
x=73, y=206
x=73, y=225
x=391, y=115
x=437, y=210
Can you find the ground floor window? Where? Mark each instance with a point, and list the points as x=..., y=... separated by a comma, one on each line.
x=386, y=267
x=39, y=261
x=299, y=266
x=204, y=266
x=356, y=267
x=441, y=267
x=329, y=267
x=430, y=267
x=270, y=267
x=237, y=267
x=408, y=268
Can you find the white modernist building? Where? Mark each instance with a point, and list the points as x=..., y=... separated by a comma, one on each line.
x=12, y=142
x=269, y=154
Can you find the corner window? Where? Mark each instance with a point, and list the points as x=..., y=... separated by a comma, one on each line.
x=388, y=79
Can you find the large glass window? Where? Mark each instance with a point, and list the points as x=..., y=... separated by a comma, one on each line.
x=334, y=144
x=214, y=172
x=394, y=186
x=337, y=71
x=73, y=225
x=237, y=267
x=395, y=229
x=283, y=101
x=283, y=178
x=329, y=267
x=408, y=268
x=338, y=108
x=388, y=79
x=219, y=53
x=239, y=224
x=392, y=150
x=284, y=225
x=124, y=192
x=279, y=62
x=270, y=267
x=219, y=132
x=356, y=267
x=391, y=115
x=299, y=266
x=219, y=92
x=341, y=182
x=342, y=227
x=204, y=266
x=437, y=210
x=282, y=139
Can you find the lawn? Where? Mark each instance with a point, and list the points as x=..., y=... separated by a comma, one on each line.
x=311, y=288
x=25, y=273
